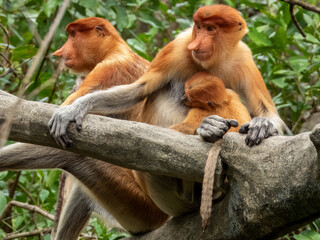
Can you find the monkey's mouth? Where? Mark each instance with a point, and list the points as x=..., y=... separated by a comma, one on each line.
x=68, y=63
x=201, y=55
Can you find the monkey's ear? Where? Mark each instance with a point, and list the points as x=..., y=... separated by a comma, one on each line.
x=100, y=31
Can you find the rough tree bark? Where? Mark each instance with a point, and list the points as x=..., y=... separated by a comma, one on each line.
x=274, y=187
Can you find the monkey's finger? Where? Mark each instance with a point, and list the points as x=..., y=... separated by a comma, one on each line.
x=244, y=128
x=214, y=117
x=215, y=121
x=260, y=130
x=211, y=134
x=50, y=123
x=79, y=123
x=271, y=131
x=232, y=122
x=52, y=126
x=66, y=140
x=60, y=142
x=249, y=138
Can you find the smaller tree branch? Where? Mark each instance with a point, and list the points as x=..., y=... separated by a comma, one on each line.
x=295, y=21
x=27, y=234
x=28, y=207
x=304, y=5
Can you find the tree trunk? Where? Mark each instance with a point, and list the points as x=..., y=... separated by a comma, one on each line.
x=273, y=188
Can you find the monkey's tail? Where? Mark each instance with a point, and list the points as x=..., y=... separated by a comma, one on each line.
x=208, y=183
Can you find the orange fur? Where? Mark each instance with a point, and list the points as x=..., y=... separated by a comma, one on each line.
x=95, y=47
x=207, y=95
x=214, y=46
x=228, y=58
x=110, y=62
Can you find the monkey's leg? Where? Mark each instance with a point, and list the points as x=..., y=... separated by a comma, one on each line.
x=114, y=188
x=75, y=214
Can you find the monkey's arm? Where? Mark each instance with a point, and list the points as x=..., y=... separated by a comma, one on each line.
x=122, y=98
x=249, y=84
x=266, y=121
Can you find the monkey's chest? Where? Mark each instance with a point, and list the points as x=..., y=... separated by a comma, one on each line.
x=165, y=107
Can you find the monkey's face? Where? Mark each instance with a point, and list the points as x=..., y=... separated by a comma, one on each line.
x=216, y=30
x=202, y=44
x=89, y=41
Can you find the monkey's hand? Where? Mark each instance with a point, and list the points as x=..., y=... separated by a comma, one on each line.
x=214, y=127
x=258, y=129
x=60, y=120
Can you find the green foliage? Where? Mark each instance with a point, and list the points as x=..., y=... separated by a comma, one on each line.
x=289, y=64
x=308, y=235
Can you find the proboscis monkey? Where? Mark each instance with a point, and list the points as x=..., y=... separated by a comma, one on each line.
x=206, y=95
x=93, y=48
x=213, y=45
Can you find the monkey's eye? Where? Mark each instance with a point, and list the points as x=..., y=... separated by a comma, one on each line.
x=72, y=33
x=198, y=26
x=210, y=28
x=99, y=28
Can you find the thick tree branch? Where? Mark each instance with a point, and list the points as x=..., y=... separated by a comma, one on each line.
x=119, y=142
x=274, y=188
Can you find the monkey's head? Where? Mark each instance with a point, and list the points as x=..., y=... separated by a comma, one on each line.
x=89, y=41
x=205, y=91
x=217, y=29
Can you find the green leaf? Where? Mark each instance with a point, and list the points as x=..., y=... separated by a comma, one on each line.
x=146, y=17
x=3, y=175
x=307, y=235
x=312, y=39
x=2, y=234
x=44, y=195
x=92, y=4
x=137, y=45
x=23, y=52
x=98, y=228
x=17, y=222
x=3, y=202
x=308, y=19
x=122, y=17
x=52, y=177
x=259, y=38
x=281, y=37
x=49, y=6
x=280, y=82
x=298, y=63
x=317, y=85
x=284, y=72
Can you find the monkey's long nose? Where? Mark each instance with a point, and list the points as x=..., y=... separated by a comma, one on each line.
x=194, y=45
x=58, y=53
